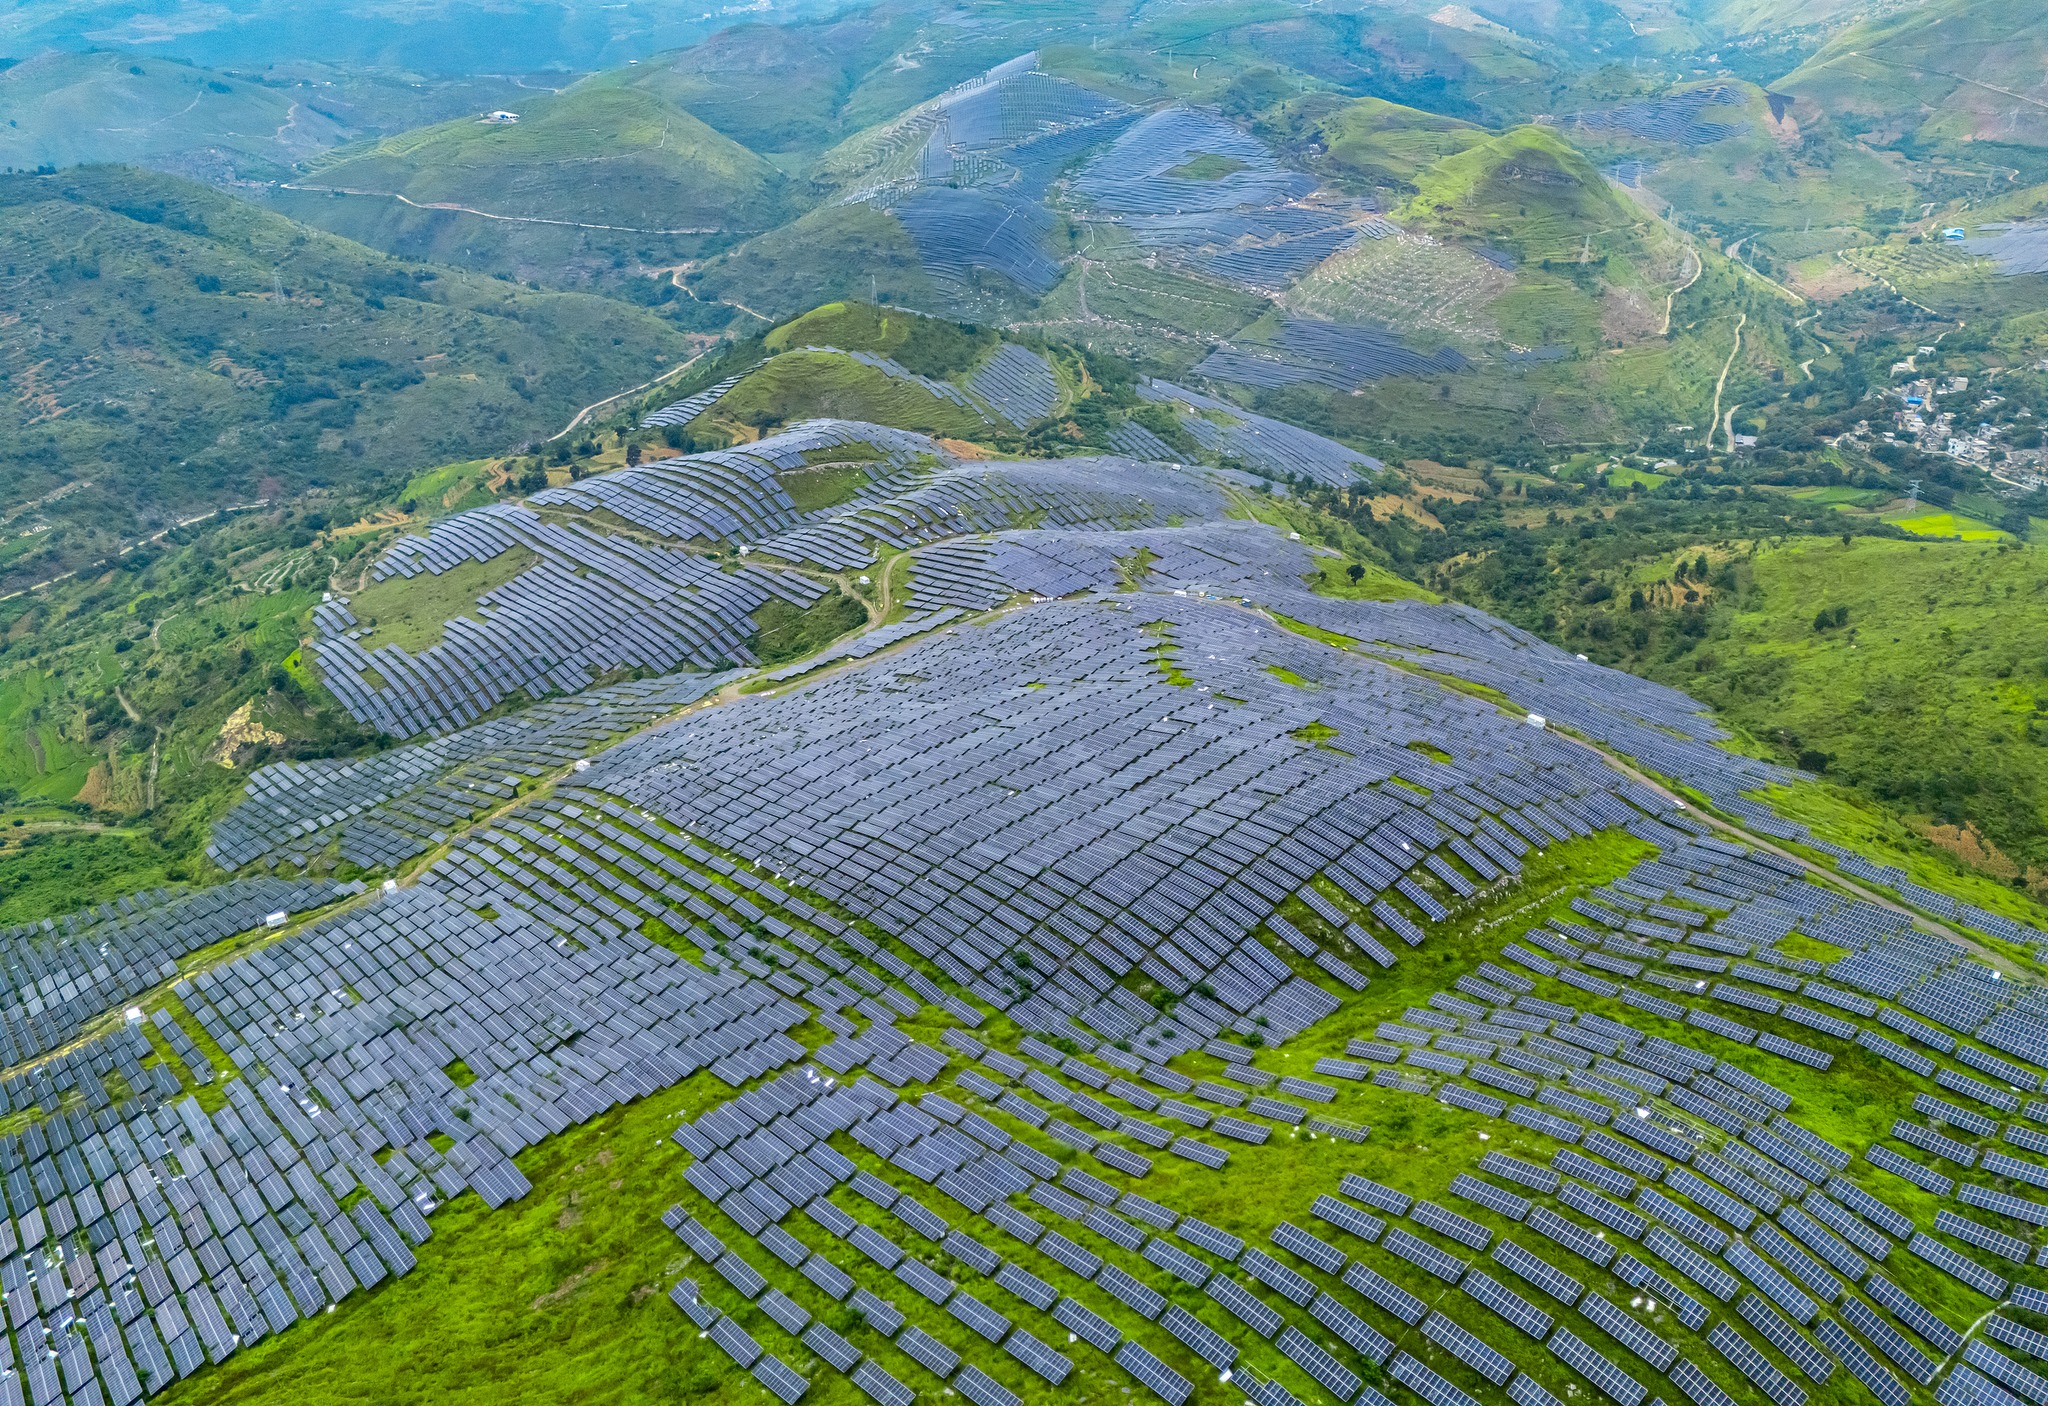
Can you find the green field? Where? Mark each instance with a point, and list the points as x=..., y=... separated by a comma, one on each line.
x=411, y=613
x=1956, y=525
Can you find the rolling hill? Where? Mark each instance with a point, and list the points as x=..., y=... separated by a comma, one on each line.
x=69, y=109
x=1949, y=71
x=668, y=186
x=1371, y=142
x=174, y=350
x=226, y=126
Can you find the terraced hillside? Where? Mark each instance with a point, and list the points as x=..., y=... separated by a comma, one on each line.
x=921, y=1014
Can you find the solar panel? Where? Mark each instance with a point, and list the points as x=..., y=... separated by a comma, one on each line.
x=1575, y=1163
x=1637, y=1275
x=1909, y=1311
x=773, y=1373
x=1132, y=1293
x=1350, y=1329
x=2016, y=1335
x=831, y=1347
x=1870, y=1208
x=982, y=1389
x=1299, y=1242
x=1346, y=1216
x=1385, y=1292
x=1802, y=1266
x=786, y=1311
x=1755, y=1367
x=1374, y=1194
x=1243, y=1305
x=1277, y=1276
x=1468, y=1349
x=1446, y=1222
x=1698, y=1386
x=1207, y=1237
x=1781, y=1290
x=1087, y=1325
x=1026, y=1286
x=1963, y=1268
x=1592, y=1203
x=928, y=1351
x=1058, y=1247
x=1325, y=1369
x=1158, y=1378
x=881, y=1388
x=925, y=1280
x=1626, y=1331
x=736, y=1341
x=1427, y=1384
x=1424, y=1255
x=1597, y=1369
x=1571, y=1235
x=1052, y=1366
x=1206, y=1343
x=978, y=1316
x=1538, y=1271
x=2033, y=1212
x=1486, y=1194
x=1525, y=1173
x=1507, y=1304
x=1983, y=1236
x=1862, y=1366
x=1889, y=1340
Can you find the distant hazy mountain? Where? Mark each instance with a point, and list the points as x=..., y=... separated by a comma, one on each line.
x=464, y=36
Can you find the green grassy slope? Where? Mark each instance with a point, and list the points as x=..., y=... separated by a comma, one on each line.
x=1933, y=698
x=154, y=370
x=1949, y=70
x=835, y=251
x=605, y=172
x=64, y=109
x=1371, y=142
x=802, y=385
x=1533, y=246
x=780, y=88
x=1786, y=168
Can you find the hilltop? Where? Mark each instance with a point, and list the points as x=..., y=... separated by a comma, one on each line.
x=521, y=192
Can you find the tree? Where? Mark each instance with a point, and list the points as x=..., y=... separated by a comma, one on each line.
x=1356, y=573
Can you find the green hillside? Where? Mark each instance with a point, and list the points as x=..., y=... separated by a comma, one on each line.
x=1526, y=191
x=1531, y=245
x=1371, y=142
x=1962, y=745
x=773, y=88
x=1962, y=71
x=835, y=251
x=152, y=367
x=803, y=385
x=602, y=175
x=67, y=109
